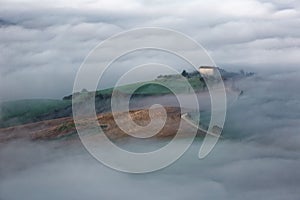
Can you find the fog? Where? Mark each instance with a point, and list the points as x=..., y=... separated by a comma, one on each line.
x=49, y=40
x=258, y=158
x=43, y=43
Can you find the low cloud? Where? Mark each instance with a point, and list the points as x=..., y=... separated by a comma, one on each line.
x=49, y=40
x=44, y=43
x=258, y=158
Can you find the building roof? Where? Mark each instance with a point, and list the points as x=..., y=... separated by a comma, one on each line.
x=207, y=67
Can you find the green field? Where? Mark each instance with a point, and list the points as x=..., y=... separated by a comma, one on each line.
x=156, y=87
x=24, y=111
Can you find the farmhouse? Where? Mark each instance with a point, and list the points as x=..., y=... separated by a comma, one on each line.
x=207, y=70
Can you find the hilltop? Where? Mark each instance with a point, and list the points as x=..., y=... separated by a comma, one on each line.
x=35, y=110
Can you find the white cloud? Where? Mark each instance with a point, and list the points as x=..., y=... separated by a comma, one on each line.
x=58, y=34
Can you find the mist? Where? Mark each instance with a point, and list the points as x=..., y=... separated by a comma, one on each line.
x=45, y=43
x=258, y=158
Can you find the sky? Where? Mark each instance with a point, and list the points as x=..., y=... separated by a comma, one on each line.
x=43, y=43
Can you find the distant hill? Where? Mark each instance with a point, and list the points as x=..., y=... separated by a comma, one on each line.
x=33, y=110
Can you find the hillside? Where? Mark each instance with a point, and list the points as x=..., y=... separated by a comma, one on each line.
x=34, y=110
x=64, y=128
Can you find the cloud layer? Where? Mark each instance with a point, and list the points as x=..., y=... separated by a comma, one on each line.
x=44, y=43
x=257, y=159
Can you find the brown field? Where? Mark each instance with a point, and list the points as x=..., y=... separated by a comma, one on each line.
x=64, y=127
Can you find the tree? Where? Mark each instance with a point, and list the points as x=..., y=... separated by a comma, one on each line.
x=84, y=90
x=242, y=72
x=184, y=73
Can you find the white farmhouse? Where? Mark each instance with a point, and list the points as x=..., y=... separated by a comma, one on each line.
x=207, y=70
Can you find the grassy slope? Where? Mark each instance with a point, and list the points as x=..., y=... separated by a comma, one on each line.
x=24, y=111
x=154, y=87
